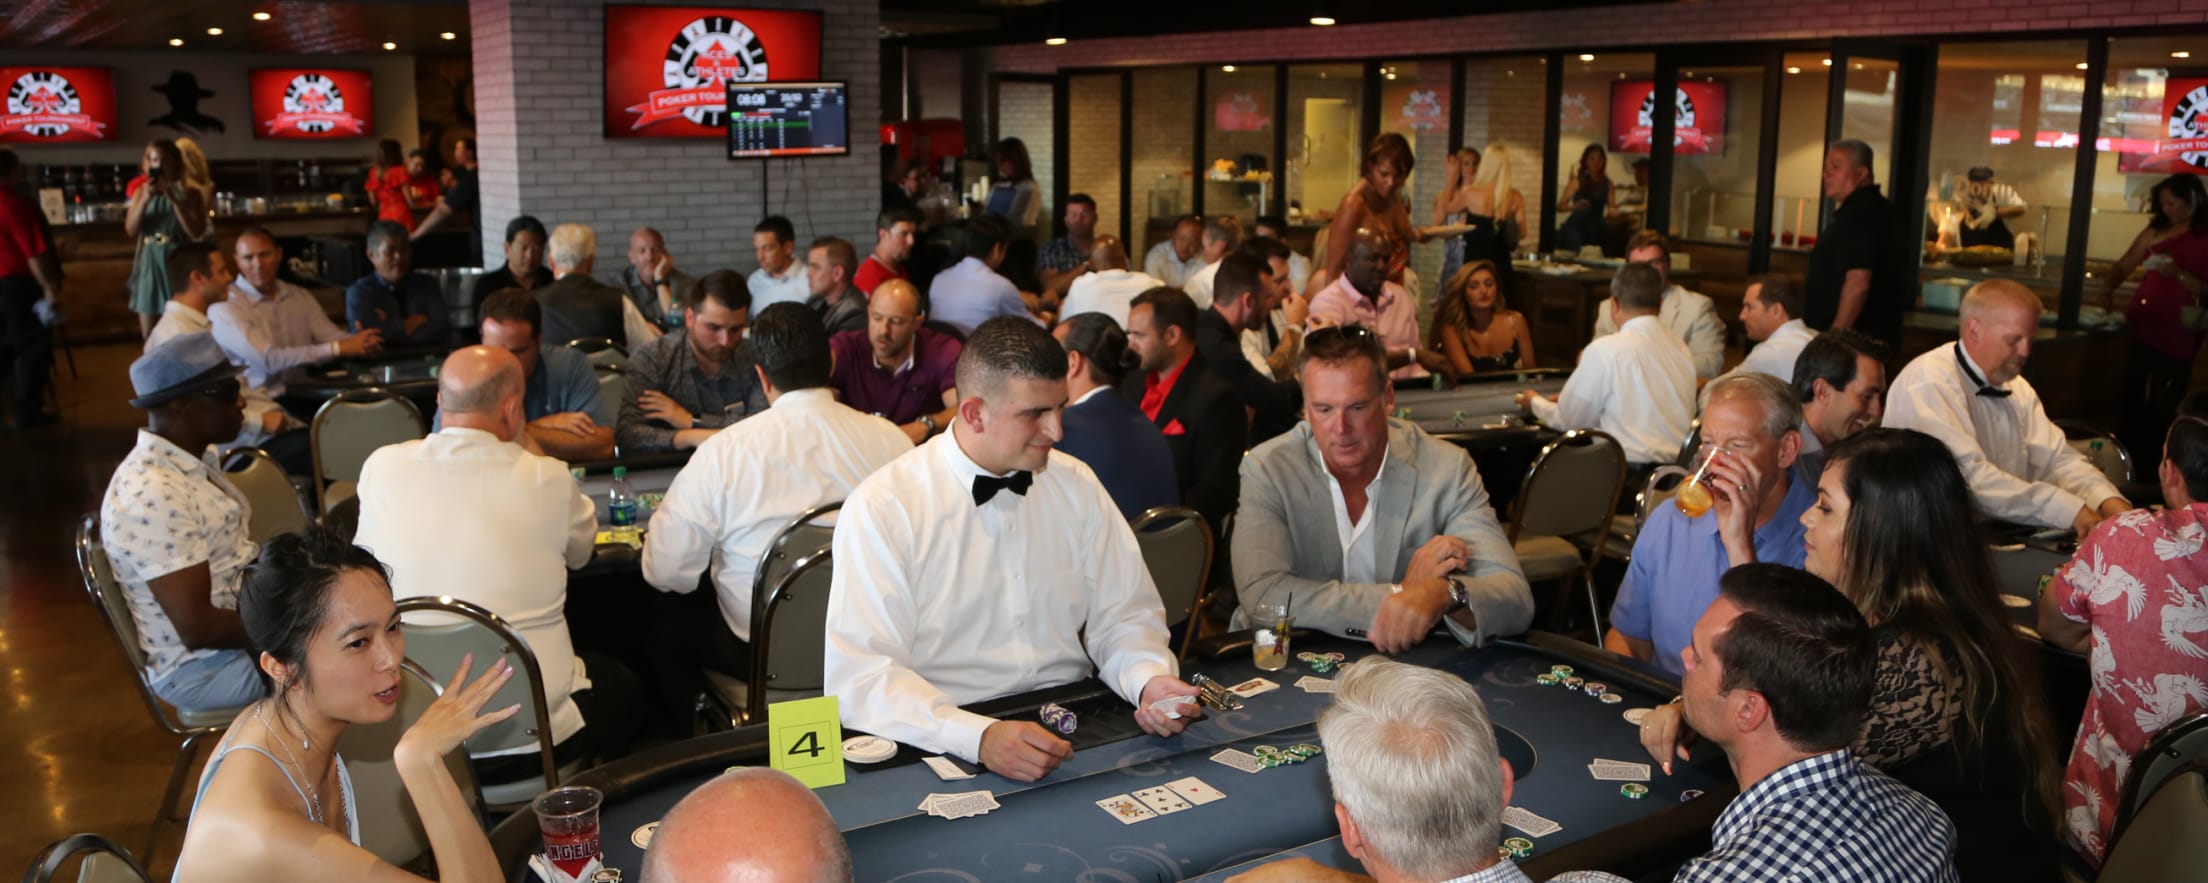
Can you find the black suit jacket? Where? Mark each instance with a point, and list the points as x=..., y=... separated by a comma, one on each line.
x=1205, y=428
x=1277, y=404
x=578, y=306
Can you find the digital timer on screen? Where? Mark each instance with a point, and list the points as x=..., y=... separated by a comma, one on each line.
x=787, y=119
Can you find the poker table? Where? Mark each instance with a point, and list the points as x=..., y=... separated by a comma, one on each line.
x=1053, y=829
x=408, y=372
x=1480, y=416
x=2023, y=558
x=649, y=477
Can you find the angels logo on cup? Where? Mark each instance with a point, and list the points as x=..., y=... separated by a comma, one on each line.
x=45, y=105
x=2188, y=129
x=1682, y=132
x=706, y=54
x=314, y=103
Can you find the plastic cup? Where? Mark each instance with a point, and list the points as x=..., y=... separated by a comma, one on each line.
x=568, y=819
x=1270, y=648
x=1693, y=498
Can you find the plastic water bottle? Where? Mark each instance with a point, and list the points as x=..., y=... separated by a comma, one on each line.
x=621, y=502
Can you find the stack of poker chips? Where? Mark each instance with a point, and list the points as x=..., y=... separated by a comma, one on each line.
x=1056, y=717
x=1516, y=848
x=1321, y=663
x=1272, y=757
x=1560, y=675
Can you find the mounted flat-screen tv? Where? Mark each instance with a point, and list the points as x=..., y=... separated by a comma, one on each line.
x=668, y=67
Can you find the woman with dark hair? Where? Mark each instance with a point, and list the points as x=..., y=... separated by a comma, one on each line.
x=318, y=613
x=386, y=184
x=1958, y=713
x=1474, y=329
x=1376, y=200
x=2165, y=312
x=1591, y=199
x=1015, y=195
x=163, y=214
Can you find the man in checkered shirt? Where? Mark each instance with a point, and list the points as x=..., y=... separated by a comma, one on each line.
x=1779, y=675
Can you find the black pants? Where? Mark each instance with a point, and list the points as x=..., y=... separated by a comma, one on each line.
x=28, y=342
x=613, y=714
x=291, y=449
x=2154, y=384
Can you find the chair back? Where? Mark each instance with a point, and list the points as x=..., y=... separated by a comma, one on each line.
x=1690, y=444
x=808, y=532
x=277, y=509
x=613, y=384
x=389, y=825
x=788, y=640
x=1176, y=545
x=461, y=629
x=107, y=598
x=104, y=861
x=2163, y=843
x=2100, y=448
x=352, y=426
x=1571, y=489
x=2168, y=751
x=602, y=352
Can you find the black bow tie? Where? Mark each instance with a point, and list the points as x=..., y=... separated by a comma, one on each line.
x=986, y=487
x=1991, y=392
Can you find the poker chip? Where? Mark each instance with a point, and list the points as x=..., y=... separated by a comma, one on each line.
x=868, y=749
x=1306, y=750
x=1562, y=671
x=1634, y=790
x=1574, y=682
x=1634, y=716
x=1596, y=688
x=1689, y=794
x=1610, y=698
x=1518, y=847
x=1309, y=656
x=2016, y=601
x=1502, y=852
x=1547, y=679
x=642, y=836
x=1056, y=717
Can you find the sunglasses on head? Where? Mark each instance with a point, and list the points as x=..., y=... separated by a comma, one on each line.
x=1331, y=332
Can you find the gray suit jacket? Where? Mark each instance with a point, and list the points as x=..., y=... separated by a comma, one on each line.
x=1285, y=541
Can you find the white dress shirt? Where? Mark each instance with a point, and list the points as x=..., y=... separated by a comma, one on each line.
x=1199, y=284
x=1111, y=292
x=747, y=481
x=270, y=332
x=1693, y=317
x=464, y=514
x=1165, y=266
x=1637, y=385
x=178, y=319
x=1360, y=558
x=938, y=603
x=2019, y=465
x=768, y=289
x=1775, y=355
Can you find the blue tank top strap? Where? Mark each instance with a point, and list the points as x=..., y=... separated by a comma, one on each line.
x=344, y=785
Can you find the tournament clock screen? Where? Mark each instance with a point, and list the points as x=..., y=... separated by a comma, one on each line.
x=668, y=67
x=787, y=119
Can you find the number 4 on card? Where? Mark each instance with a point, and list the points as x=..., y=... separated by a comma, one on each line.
x=806, y=740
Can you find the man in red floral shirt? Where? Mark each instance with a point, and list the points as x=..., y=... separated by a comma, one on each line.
x=2135, y=599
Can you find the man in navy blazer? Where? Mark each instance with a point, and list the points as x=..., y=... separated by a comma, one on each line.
x=1123, y=447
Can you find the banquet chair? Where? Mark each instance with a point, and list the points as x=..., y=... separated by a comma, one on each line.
x=1660, y=487
x=277, y=509
x=603, y=353
x=808, y=532
x=2162, y=843
x=789, y=637
x=1570, y=492
x=613, y=384
x=2110, y=456
x=442, y=630
x=193, y=727
x=104, y=862
x=2182, y=743
x=1176, y=546
x=350, y=427
x=390, y=827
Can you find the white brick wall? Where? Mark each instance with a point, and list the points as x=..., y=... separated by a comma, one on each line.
x=1092, y=156
x=1023, y=112
x=539, y=90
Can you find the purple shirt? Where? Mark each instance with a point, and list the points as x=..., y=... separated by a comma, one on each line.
x=899, y=393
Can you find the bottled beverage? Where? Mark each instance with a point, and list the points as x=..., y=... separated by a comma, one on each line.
x=621, y=502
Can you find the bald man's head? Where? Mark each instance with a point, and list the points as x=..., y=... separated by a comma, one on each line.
x=480, y=387
x=750, y=825
x=893, y=319
x=1109, y=254
x=1999, y=318
x=1371, y=256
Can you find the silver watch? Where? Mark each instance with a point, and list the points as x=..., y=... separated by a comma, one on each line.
x=1459, y=597
x=928, y=420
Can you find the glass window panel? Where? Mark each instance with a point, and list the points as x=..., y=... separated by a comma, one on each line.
x=1503, y=98
x=1325, y=104
x=1163, y=161
x=1415, y=98
x=1024, y=111
x=2149, y=82
x=1594, y=125
x=1868, y=114
x=1092, y=157
x=1238, y=137
x=1804, y=93
x=1713, y=181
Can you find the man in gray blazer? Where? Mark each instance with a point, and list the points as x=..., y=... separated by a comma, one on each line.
x=1378, y=529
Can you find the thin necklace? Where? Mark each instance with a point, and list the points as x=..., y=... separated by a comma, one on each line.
x=314, y=797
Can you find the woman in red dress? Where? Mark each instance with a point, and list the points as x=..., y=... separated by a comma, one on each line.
x=2165, y=312
x=386, y=185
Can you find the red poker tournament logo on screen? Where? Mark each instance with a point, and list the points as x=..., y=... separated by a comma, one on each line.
x=1684, y=133
x=704, y=56
x=2188, y=128
x=43, y=104
x=314, y=104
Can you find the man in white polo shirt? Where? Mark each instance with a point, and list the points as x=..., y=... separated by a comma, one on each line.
x=1109, y=288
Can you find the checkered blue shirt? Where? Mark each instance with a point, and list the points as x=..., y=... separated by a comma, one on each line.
x=1828, y=819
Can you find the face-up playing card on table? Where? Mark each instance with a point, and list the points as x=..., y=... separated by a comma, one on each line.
x=1238, y=759
x=1194, y=790
x=1252, y=687
x=1126, y=809
x=1162, y=800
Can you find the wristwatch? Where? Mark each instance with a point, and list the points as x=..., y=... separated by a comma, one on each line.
x=928, y=420
x=1459, y=598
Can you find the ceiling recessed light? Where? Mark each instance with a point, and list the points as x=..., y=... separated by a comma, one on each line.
x=1054, y=41
x=2181, y=54
x=176, y=41
x=1586, y=58
x=1324, y=21
x=2081, y=65
x=1391, y=76
x=389, y=46
x=1825, y=61
x=448, y=35
x=1227, y=68
x=1793, y=70
x=214, y=32
x=260, y=16
x=1859, y=65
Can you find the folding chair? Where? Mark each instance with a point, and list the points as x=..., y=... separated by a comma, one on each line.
x=277, y=509
x=1570, y=491
x=1176, y=546
x=805, y=534
x=1660, y=487
x=348, y=428
x=603, y=353
x=104, y=861
x=389, y=825
x=460, y=629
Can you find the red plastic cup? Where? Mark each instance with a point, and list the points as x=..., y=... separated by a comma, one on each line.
x=568, y=819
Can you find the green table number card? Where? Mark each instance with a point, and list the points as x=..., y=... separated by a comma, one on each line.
x=806, y=739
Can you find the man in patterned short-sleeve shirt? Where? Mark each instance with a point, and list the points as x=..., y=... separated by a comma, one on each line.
x=175, y=529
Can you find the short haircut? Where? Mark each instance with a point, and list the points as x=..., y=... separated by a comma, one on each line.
x=1277, y=223
x=784, y=232
x=1805, y=647
x=382, y=232
x=1992, y=294
x=186, y=259
x=984, y=233
x=891, y=217
x=1265, y=249
x=1830, y=357
x=1782, y=412
x=1649, y=239
x=424, y=154
x=1082, y=199
x=1224, y=228
x=791, y=345
x=1412, y=759
x=725, y=287
x=1858, y=153
x=1169, y=308
x=2187, y=446
x=1005, y=348
x=1638, y=287
x=570, y=245
x=508, y=305
x=840, y=254
x=1238, y=273
x=1336, y=345
x=258, y=230
x=1780, y=290
x=1099, y=339
x=1392, y=148
x=525, y=224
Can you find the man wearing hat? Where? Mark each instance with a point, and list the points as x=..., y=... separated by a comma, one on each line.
x=1987, y=205
x=175, y=529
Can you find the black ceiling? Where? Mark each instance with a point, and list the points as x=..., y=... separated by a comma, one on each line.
x=294, y=27
x=961, y=23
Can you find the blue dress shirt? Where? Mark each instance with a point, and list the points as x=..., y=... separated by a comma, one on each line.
x=1676, y=563
x=969, y=293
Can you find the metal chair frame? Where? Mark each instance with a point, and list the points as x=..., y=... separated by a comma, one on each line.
x=48, y=861
x=762, y=629
x=1601, y=534
x=2078, y=430
x=1159, y=515
x=515, y=646
x=240, y=459
x=772, y=567
x=356, y=396
x=2159, y=761
x=592, y=348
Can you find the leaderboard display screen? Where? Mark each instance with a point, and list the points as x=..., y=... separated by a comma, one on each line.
x=667, y=66
x=311, y=104
x=53, y=105
x=787, y=119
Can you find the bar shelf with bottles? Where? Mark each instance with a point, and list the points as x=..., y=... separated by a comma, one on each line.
x=96, y=193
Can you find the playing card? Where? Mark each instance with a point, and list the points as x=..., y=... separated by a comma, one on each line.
x=1162, y=800
x=1617, y=773
x=1238, y=759
x=1629, y=764
x=1126, y=809
x=1194, y=790
x=1526, y=821
x=959, y=806
x=1252, y=687
x=1315, y=685
x=1174, y=706
x=945, y=769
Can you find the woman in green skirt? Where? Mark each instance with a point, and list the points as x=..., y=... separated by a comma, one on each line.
x=163, y=214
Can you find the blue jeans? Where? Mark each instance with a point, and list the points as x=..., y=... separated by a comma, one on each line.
x=226, y=679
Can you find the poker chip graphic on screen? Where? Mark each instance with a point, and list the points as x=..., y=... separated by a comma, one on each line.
x=705, y=55
x=2188, y=129
x=314, y=103
x=1685, y=131
x=44, y=104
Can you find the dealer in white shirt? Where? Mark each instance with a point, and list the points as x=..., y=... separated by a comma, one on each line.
x=1689, y=314
x=269, y=325
x=1771, y=310
x=1637, y=385
x=1973, y=398
x=748, y=481
x=983, y=564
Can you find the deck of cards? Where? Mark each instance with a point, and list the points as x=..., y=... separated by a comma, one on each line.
x=1315, y=685
x=1618, y=770
x=1526, y=821
x=964, y=804
x=1163, y=800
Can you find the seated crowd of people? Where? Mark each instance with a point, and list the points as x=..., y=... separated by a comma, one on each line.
x=1831, y=634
